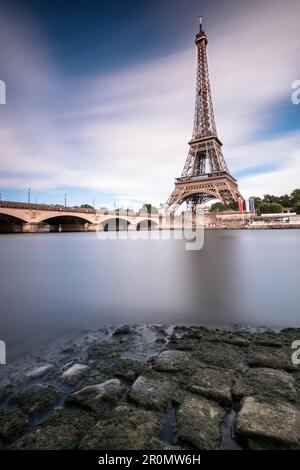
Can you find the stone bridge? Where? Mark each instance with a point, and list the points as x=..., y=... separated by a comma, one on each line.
x=26, y=217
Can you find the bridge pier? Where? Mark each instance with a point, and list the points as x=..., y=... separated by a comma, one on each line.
x=30, y=228
x=91, y=228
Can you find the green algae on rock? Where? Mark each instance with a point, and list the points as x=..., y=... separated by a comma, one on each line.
x=199, y=421
x=269, y=425
x=213, y=382
x=37, y=398
x=127, y=428
x=12, y=423
x=92, y=396
x=61, y=430
x=151, y=393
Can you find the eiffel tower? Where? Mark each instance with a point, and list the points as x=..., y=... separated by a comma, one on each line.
x=205, y=175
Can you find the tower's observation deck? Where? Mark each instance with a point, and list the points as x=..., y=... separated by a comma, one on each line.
x=205, y=174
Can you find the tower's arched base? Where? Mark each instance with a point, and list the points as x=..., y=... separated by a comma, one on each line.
x=199, y=190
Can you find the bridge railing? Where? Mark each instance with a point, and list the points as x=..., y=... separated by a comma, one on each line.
x=44, y=207
x=62, y=208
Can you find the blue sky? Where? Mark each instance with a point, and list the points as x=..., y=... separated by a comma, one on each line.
x=100, y=96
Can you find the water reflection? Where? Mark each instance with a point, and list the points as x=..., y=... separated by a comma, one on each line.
x=55, y=283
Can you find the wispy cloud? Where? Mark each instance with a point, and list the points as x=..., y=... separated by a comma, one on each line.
x=126, y=133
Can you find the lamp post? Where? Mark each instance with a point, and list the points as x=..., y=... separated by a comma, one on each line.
x=29, y=192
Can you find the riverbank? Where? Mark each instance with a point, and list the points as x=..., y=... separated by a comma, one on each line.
x=155, y=387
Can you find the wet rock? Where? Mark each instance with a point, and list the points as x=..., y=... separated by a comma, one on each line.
x=159, y=329
x=236, y=341
x=211, y=349
x=6, y=393
x=91, y=377
x=39, y=371
x=194, y=333
x=101, y=350
x=127, y=375
x=273, y=425
x=238, y=388
x=213, y=383
x=271, y=383
x=219, y=354
x=228, y=337
x=37, y=398
x=265, y=339
x=156, y=444
x=172, y=361
x=160, y=340
x=199, y=422
x=181, y=328
x=127, y=368
x=76, y=370
x=178, y=332
x=69, y=350
x=127, y=428
x=273, y=358
x=12, y=423
x=208, y=366
x=103, y=369
x=92, y=396
x=62, y=429
x=112, y=366
x=288, y=336
x=122, y=330
x=152, y=393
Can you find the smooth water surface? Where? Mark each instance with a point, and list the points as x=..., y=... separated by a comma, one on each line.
x=53, y=284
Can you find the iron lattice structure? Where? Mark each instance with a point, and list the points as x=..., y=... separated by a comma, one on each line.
x=205, y=175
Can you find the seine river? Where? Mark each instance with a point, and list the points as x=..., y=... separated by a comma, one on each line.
x=59, y=283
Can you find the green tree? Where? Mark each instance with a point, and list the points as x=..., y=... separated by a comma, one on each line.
x=219, y=207
x=270, y=208
x=233, y=206
x=86, y=206
x=295, y=196
x=297, y=207
x=285, y=200
x=257, y=202
x=270, y=199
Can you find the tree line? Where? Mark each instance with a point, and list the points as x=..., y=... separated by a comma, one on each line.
x=269, y=204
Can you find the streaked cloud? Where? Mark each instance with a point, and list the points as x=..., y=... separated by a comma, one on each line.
x=125, y=133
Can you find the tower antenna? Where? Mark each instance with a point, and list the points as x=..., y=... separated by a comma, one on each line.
x=200, y=23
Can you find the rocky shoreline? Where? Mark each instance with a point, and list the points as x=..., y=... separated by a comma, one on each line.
x=156, y=387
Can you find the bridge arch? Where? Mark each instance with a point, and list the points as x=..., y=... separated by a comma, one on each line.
x=115, y=224
x=63, y=217
x=66, y=223
x=11, y=218
x=10, y=223
x=147, y=224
